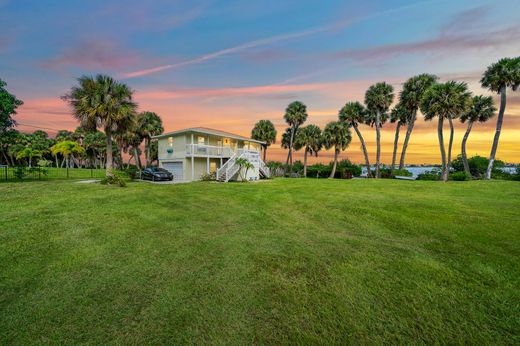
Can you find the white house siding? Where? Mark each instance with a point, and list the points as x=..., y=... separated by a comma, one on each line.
x=178, y=146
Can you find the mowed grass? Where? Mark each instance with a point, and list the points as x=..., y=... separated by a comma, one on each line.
x=282, y=261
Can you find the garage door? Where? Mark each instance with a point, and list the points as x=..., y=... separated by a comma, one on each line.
x=175, y=168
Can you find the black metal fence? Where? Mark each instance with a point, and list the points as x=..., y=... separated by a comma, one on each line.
x=47, y=173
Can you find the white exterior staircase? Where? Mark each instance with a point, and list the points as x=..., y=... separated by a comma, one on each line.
x=230, y=169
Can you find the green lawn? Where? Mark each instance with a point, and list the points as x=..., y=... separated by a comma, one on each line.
x=282, y=261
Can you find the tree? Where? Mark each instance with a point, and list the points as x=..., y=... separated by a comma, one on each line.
x=95, y=147
x=264, y=131
x=445, y=101
x=336, y=134
x=286, y=138
x=309, y=138
x=7, y=140
x=149, y=125
x=481, y=110
x=68, y=149
x=64, y=135
x=498, y=78
x=399, y=116
x=244, y=164
x=378, y=99
x=103, y=102
x=131, y=141
x=295, y=116
x=8, y=105
x=28, y=153
x=353, y=114
x=410, y=97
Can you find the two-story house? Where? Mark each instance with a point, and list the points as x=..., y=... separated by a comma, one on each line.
x=192, y=152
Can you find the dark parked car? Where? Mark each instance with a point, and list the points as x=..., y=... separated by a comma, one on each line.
x=156, y=174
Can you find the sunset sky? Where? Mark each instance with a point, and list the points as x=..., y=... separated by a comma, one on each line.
x=228, y=64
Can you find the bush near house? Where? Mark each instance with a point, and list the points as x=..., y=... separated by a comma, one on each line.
x=429, y=175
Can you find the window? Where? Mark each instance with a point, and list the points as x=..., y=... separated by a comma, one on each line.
x=226, y=141
x=170, y=141
x=201, y=140
x=212, y=167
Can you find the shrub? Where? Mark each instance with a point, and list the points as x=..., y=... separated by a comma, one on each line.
x=132, y=171
x=459, y=176
x=209, y=176
x=20, y=172
x=44, y=163
x=114, y=179
x=429, y=175
x=477, y=165
x=387, y=173
x=318, y=170
x=347, y=168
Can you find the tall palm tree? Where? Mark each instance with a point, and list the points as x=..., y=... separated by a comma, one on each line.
x=295, y=115
x=336, y=134
x=149, y=124
x=378, y=99
x=481, y=110
x=399, y=116
x=445, y=101
x=309, y=138
x=264, y=131
x=102, y=102
x=354, y=113
x=410, y=97
x=498, y=77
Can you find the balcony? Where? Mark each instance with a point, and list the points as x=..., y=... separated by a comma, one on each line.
x=202, y=150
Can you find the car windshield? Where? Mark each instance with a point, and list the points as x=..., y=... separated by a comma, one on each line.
x=159, y=170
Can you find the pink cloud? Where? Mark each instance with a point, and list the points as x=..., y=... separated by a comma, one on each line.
x=440, y=44
x=94, y=54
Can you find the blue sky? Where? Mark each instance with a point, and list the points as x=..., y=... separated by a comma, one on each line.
x=235, y=62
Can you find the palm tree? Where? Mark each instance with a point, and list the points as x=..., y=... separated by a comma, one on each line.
x=29, y=153
x=286, y=138
x=244, y=164
x=481, y=110
x=336, y=134
x=308, y=137
x=67, y=149
x=445, y=101
x=102, y=102
x=378, y=99
x=410, y=97
x=295, y=115
x=131, y=140
x=264, y=131
x=399, y=115
x=149, y=124
x=353, y=113
x=498, y=77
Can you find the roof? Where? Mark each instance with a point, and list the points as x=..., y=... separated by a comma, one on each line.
x=208, y=131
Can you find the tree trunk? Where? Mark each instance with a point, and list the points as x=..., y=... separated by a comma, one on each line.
x=378, y=144
x=289, y=154
x=441, y=145
x=305, y=162
x=396, y=141
x=265, y=152
x=109, y=163
x=463, y=149
x=333, y=172
x=137, y=158
x=30, y=161
x=147, y=151
x=409, y=129
x=450, y=145
x=497, y=132
x=365, y=152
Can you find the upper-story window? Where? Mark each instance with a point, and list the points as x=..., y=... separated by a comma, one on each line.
x=201, y=140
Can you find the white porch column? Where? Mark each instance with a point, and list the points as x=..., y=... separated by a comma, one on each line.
x=220, y=161
x=192, y=160
x=207, y=165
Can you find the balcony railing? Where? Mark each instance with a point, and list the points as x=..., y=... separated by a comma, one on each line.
x=211, y=150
